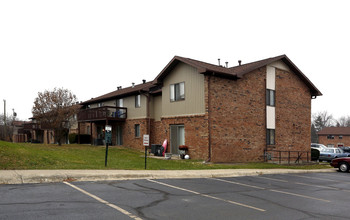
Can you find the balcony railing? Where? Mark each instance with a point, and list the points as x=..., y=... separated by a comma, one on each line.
x=103, y=113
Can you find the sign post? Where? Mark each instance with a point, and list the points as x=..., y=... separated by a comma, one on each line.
x=146, y=144
x=108, y=140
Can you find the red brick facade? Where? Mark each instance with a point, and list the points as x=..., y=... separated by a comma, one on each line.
x=237, y=117
x=339, y=140
x=293, y=112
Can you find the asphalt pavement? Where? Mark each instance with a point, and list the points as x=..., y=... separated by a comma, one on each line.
x=50, y=176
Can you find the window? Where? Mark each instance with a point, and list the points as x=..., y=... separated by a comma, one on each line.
x=137, y=130
x=120, y=103
x=270, y=97
x=330, y=137
x=138, y=101
x=100, y=104
x=340, y=136
x=177, y=92
x=270, y=136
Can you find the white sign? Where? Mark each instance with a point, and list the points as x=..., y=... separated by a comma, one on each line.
x=145, y=140
x=108, y=128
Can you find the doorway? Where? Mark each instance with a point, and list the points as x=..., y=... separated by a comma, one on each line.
x=177, y=138
x=119, y=135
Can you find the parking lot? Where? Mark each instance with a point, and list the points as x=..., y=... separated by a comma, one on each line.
x=282, y=196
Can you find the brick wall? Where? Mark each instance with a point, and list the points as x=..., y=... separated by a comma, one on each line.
x=129, y=139
x=196, y=133
x=322, y=139
x=293, y=113
x=237, y=117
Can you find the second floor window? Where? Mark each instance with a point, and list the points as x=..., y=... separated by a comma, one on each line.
x=177, y=91
x=137, y=101
x=270, y=97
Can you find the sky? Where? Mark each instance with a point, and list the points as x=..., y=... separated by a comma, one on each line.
x=92, y=47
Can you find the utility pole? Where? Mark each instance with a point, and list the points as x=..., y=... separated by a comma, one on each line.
x=5, y=119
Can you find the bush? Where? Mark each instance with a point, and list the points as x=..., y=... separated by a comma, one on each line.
x=73, y=138
x=84, y=138
x=315, y=154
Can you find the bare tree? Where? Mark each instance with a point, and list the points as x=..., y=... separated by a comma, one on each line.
x=54, y=109
x=6, y=129
x=322, y=119
x=343, y=121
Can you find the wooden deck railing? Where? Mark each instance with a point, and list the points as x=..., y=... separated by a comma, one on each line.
x=103, y=113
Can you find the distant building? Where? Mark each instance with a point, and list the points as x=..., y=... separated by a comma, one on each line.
x=334, y=136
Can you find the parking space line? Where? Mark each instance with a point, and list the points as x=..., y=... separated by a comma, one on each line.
x=208, y=196
x=278, y=180
x=104, y=202
x=306, y=184
x=272, y=190
x=294, y=194
x=241, y=184
x=324, y=187
x=309, y=177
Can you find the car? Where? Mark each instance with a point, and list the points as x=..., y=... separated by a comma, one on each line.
x=345, y=149
x=343, y=164
x=331, y=153
x=318, y=146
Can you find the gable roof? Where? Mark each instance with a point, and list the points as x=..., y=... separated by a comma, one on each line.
x=335, y=131
x=121, y=93
x=235, y=72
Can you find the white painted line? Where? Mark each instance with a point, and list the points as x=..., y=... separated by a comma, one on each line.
x=104, y=202
x=278, y=180
x=208, y=196
x=294, y=194
x=256, y=187
x=241, y=184
x=309, y=177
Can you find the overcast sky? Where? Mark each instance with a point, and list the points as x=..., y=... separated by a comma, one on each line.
x=92, y=47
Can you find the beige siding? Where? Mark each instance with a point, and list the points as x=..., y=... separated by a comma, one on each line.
x=156, y=107
x=194, y=92
x=280, y=65
x=135, y=113
x=105, y=103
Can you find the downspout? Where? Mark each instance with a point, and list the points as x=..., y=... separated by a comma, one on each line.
x=209, y=122
x=148, y=114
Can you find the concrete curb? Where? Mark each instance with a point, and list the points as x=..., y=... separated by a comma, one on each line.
x=50, y=176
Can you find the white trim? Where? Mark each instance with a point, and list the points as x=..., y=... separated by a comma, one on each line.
x=270, y=117
x=271, y=78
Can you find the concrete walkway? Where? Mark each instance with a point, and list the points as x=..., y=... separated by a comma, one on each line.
x=49, y=176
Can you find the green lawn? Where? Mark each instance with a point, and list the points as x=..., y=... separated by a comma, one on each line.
x=74, y=156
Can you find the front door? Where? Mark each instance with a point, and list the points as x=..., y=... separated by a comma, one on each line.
x=177, y=138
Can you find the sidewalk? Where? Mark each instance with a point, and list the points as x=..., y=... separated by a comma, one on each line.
x=49, y=176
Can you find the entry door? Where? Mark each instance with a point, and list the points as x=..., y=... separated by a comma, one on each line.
x=119, y=133
x=177, y=138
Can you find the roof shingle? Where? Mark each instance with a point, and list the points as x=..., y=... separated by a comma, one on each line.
x=335, y=131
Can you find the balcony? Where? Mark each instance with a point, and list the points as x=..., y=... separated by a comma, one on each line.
x=103, y=113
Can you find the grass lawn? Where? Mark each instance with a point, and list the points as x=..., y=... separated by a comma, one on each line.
x=74, y=156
